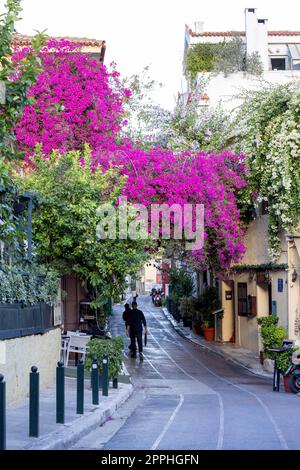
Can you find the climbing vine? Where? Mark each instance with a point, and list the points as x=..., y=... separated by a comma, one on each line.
x=269, y=133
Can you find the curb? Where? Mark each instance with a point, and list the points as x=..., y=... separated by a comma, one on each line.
x=211, y=348
x=71, y=433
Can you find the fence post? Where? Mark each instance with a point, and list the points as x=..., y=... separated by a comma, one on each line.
x=80, y=387
x=105, y=375
x=95, y=382
x=60, y=393
x=34, y=402
x=2, y=413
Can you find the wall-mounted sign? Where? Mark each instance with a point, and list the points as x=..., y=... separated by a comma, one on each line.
x=280, y=285
x=228, y=294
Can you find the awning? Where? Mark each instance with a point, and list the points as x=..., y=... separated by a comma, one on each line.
x=294, y=51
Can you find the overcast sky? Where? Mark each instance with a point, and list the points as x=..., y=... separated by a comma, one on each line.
x=143, y=32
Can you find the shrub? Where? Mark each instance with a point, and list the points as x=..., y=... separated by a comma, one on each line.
x=272, y=335
x=284, y=360
x=113, y=349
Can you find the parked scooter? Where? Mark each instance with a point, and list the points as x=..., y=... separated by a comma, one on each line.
x=294, y=370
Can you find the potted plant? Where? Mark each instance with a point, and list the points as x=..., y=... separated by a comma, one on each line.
x=271, y=334
x=284, y=361
x=186, y=310
x=197, y=323
x=209, y=330
x=112, y=348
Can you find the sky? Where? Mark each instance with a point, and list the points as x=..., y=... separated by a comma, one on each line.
x=143, y=33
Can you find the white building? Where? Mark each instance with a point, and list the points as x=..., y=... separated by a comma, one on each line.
x=279, y=53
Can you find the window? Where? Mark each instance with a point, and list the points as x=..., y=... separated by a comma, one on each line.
x=296, y=64
x=278, y=63
x=242, y=299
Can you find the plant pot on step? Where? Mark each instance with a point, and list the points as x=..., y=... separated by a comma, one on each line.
x=209, y=334
x=261, y=357
x=187, y=322
x=197, y=329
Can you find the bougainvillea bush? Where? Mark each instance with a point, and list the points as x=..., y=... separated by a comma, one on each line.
x=159, y=176
x=72, y=102
x=76, y=100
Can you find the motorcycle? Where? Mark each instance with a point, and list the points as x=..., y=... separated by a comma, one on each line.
x=157, y=300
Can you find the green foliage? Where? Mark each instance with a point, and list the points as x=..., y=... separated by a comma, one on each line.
x=112, y=348
x=260, y=267
x=186, y=307
x=200, y=58
x=272, y=335
x=207, y=303
x=223, y=57
x=16, y=80
x=8, y=195
x=64, y=224
x=29, y=285
x=268, y=129
x=181, y=284
x=284, y=360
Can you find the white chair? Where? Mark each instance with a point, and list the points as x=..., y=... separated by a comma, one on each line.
x=64, y=348
x=77, y=344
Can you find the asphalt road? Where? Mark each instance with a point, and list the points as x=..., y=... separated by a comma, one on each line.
x=187, y=397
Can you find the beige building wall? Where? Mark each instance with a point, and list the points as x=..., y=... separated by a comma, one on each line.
x=246, y=329
x=150, y=272
x=17, y=355
x=294, y=288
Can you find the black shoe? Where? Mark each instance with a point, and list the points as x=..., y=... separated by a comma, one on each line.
x=141, y=356
x=133, y=355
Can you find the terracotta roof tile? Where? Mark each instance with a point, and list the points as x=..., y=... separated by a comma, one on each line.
x=24, y=40
x=239, y=33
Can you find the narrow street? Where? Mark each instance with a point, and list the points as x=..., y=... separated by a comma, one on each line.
x=189, y=398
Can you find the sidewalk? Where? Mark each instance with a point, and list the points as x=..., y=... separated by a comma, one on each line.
x=229, y=351
x=61, y=436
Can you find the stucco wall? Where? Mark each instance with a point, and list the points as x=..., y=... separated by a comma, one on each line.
x=226, y=90
x=19, y=354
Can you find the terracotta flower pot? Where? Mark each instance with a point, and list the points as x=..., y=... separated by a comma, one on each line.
x=209, y=334
x=286, y=379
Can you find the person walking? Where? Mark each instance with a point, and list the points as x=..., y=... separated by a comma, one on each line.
x=126, y=316
x=135, y=326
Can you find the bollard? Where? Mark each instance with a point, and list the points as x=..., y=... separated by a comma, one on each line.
x=105, y=375
x=34, y=402
x=2, y=414
x=80, y=387
x=60, y=393
x=95, y=382
x=115, y=383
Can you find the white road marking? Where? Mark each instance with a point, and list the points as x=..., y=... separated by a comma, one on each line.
x=172, y=417
x=221, y=421
x=280, y=436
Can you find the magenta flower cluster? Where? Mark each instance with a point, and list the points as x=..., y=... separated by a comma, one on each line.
x=73, y=103
x=159, y=176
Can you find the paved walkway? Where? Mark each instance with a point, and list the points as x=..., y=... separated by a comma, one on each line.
x=187, y=396
x=229, y=351
x=61, y=436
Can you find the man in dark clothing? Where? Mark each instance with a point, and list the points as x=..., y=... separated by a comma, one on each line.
x=135, y=329
x=126, y=316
